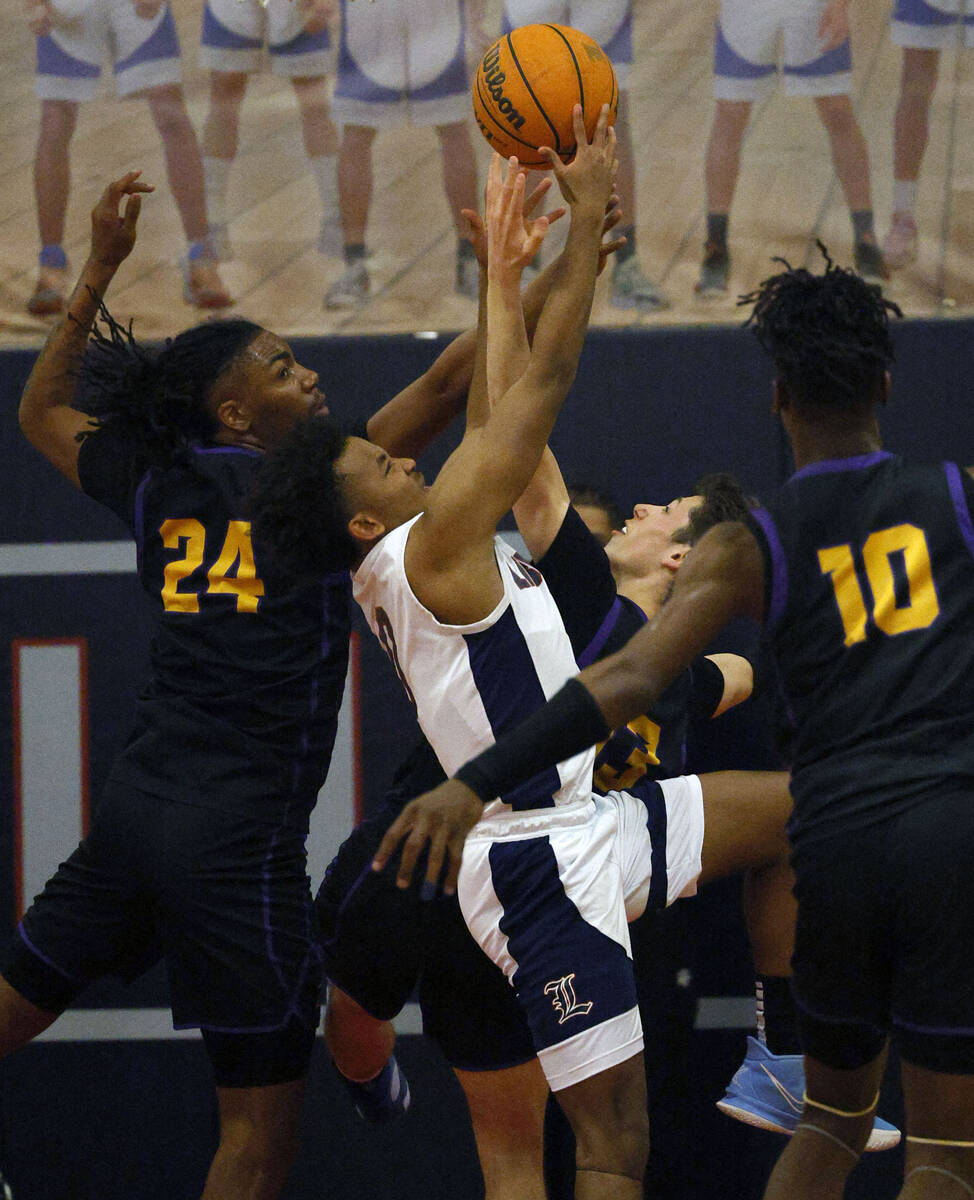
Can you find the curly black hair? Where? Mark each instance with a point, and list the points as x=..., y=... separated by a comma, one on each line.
x=296, y=505
x=156, y=398
x=828, y=334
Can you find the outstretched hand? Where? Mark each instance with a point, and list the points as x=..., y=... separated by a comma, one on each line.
x=512, y=242
x=590, y=176
x=443, y=818
x=112, y=231
x=477, y=228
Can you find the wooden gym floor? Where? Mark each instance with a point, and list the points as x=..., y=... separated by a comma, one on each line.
x=787, y=195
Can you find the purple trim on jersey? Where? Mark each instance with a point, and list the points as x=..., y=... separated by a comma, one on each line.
x=832, y=62
x=509, y=688
x=216, y=35
x=266, y=899
x=43, y=957
x=829, y=466
x=957, y=494
x=779, y=567
x=916, y=12
x=618, y=48
x=352, y=83
x=936, y=1030
x=594, y=648
x=227, y=450
x=550, y=940
x=832, y=1019
x=163, y=43
x=728, y=64
x=52, y=60
x=138, y=520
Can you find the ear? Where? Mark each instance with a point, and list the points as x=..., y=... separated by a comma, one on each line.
x=233, y=415
x=884, y=387
x=674, y=557
x=366, y=528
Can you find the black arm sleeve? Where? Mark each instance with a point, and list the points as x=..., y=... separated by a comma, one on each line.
x=569, y=723
x=579, y=578
x=708, y=687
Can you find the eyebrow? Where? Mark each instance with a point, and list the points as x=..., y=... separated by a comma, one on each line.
x=285, y=352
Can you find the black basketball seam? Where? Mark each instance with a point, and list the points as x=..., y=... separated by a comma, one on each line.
x=537, y=103
x=578, y=75
x=505, y=128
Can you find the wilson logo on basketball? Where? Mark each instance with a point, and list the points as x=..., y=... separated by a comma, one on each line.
x=494, y=78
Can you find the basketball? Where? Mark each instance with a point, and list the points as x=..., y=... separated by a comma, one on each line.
x=527, y=84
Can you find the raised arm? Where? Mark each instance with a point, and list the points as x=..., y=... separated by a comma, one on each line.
x=46, y=415
x=407, y=424
x=722, y=579
x=487, y=473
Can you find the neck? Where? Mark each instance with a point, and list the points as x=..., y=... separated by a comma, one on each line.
x=231, y=437
x=820, y=441
x=649, y=594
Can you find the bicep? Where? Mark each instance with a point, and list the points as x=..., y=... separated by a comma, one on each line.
x=541, y=507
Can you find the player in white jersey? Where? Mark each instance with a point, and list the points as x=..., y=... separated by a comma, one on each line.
x=545, y=888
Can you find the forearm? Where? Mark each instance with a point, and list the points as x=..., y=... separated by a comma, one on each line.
x=407, y=424
x=478, y=403
x=508, y=352
x=51, y=383
x=561, y=326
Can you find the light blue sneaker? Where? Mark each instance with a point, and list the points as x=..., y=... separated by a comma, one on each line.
x=767, y=1091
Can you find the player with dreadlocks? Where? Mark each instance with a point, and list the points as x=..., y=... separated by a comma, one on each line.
x=862, y=574
x=197, y=849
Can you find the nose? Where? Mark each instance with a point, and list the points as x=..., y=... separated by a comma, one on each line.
x=407, y=464
x=641, y=510
x=310, y=380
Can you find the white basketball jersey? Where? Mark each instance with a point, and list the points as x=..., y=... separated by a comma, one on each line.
x=470, y=683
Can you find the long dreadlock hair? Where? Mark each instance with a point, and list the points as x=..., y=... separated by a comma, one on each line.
x=156, y=398
x=828, y=334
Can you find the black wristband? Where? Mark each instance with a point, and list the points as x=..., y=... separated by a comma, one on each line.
x=569, y=723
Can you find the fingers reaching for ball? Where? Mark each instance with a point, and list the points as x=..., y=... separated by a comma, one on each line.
x=589, y=178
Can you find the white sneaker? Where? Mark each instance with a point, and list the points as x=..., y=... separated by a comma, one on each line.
x=900, y=244
x=351, y=290
x=631, y=288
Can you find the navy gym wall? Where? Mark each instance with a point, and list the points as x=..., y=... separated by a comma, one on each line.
x=114, y=1106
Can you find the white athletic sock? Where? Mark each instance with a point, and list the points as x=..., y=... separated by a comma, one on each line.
x=325, y=168
x=216, y=181
x=904, y=195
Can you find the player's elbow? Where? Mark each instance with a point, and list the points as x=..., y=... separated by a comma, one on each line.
x=738, y=675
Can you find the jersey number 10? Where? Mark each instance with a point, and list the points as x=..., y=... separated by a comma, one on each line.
x=922, y=609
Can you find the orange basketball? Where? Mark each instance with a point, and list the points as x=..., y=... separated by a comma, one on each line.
x=527, y=84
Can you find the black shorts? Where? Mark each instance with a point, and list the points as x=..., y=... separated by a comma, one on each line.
x=224, y=899
x=380, y=944
x=882, y=941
